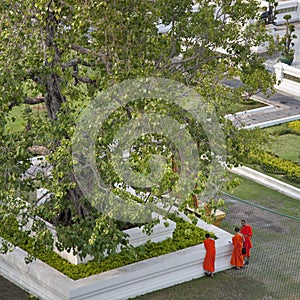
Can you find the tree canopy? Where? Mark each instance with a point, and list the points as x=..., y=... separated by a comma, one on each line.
x=58, y=55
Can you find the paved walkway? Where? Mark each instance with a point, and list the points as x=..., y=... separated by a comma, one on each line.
x=9, y=291
x=280, y=107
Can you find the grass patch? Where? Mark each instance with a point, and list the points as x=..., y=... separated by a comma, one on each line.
x=226, y=285
x=286, y=146
x=285, y=141
x=245, y=105
x=261, y=195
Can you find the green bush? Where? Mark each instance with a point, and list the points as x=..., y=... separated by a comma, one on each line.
x=185, y=235
x=276, y=165
x=295, y=126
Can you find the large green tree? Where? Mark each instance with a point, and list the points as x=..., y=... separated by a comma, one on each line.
x=55, y=56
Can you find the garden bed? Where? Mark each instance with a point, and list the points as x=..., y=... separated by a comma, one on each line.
x=120, y=283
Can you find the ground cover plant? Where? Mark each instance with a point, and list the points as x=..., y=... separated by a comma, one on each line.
x=185, y=235
x=284, y=140
x=279, y=156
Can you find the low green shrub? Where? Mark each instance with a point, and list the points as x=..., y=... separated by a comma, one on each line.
x=185, y=235
x=276, y=165
x=285, y=128
x=295, y=126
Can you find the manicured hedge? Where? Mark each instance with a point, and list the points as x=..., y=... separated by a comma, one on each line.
x=295, y=126
x=276, y=165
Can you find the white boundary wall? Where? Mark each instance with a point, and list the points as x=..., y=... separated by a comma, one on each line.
x=267, y=181
x=129, y=281
x=287, y=85
x=283, y=9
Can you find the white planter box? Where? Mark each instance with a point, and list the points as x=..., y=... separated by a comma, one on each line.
x=136, y=238
x=122, y=283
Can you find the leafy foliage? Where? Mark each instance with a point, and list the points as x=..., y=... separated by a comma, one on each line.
x=286, y=43
x=295, y=126
x=60, y=54
x=185, y=235
x=276, y=165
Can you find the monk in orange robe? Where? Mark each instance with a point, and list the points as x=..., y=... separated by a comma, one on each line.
x=210, y=256
x=246, y=231
x=237, y=258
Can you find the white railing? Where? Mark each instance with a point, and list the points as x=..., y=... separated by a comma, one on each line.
x=289, y=78
x=291, y=7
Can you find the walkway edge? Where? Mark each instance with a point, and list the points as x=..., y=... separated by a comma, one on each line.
x=267, y=181
x=273, y=122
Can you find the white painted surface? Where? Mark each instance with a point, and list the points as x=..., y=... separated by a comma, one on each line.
x=273, y=122
x=136, y=238
x=122, y=283
x=267, y=181
x=287, y=85
x=37, y=278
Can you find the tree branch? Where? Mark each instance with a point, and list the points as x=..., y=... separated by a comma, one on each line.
x=74, y=63
x=32, y=101
x=99, y=54
x=28, y=100
x=84, y=79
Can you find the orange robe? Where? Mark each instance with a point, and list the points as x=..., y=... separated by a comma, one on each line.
x=237, y=258
x=210, y=256
x=247, y=233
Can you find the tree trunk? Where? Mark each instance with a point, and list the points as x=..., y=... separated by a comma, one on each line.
x=54, y=97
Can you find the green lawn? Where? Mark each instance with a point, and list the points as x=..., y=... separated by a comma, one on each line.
x=242, y=106
x=261, y=195
x=286, y=146
x=285, y=142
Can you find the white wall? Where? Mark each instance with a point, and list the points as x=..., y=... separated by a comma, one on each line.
x=285, y=5
x=122, y=283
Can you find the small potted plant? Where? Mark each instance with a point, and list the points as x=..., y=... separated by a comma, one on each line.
x=286, y=42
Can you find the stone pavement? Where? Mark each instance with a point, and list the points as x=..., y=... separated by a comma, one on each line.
x=9, y=291
x=281, y=107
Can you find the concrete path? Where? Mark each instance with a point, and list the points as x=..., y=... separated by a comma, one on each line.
x=280, y=108
x=284, y=107
x=265, y=116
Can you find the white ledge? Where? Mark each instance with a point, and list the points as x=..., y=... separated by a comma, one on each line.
x=267, y=181
x=273, y=122
x=129, y=281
